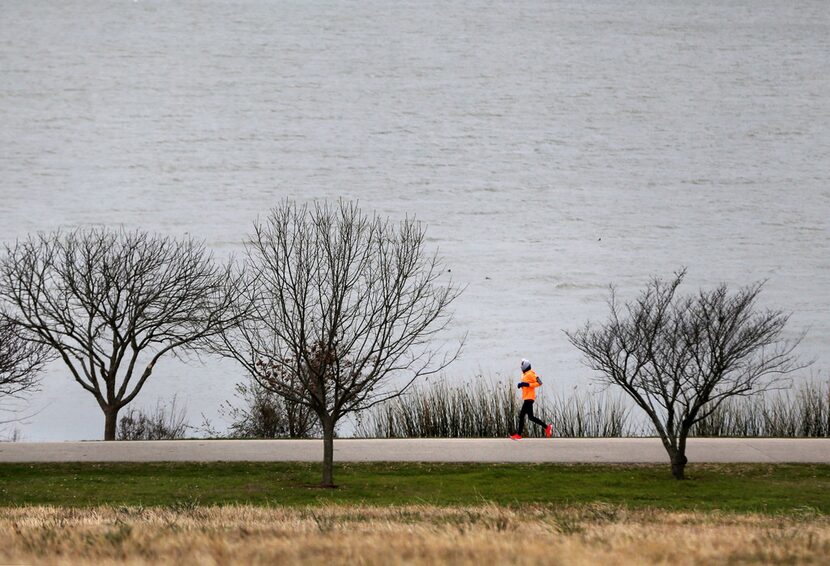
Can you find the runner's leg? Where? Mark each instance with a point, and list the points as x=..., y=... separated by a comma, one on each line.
x=533, y=419
x=526, y=406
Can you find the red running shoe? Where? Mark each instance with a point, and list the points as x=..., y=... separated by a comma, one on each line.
x=549, y=430
x=515, y=437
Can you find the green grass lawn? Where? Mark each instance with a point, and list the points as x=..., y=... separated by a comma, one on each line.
x=730, y=487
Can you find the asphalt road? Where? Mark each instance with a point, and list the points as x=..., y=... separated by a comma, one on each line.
x=584, y=450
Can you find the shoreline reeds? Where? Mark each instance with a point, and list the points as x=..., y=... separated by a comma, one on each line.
x=489, y=409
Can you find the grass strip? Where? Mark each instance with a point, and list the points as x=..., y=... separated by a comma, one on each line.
x=758, y=488
x=407, y=535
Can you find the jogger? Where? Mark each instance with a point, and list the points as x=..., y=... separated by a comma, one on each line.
x=530, y=381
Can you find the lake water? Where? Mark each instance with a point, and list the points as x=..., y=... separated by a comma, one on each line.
x=551, y=147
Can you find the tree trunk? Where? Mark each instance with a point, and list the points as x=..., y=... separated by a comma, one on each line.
x=675, y=449
x=678, y=465
x=110, y=422
x=328, y=452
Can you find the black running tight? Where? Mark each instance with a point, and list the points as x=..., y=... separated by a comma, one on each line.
x=527, y=409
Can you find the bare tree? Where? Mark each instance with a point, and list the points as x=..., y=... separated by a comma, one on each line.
x=345, y=311
x=680, y=357
x=112, y=303
x=20, y=360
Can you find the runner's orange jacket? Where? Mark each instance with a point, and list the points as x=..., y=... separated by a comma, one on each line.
x=529, y=393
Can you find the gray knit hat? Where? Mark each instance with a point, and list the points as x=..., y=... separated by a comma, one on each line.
x=525, y=365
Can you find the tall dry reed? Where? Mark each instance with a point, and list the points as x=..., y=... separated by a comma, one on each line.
x=489, y=409
x=800, y=412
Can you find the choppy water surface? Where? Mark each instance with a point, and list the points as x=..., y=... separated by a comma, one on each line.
x=552, y=147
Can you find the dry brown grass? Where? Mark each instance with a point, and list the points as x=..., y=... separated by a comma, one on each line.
x=590, y=534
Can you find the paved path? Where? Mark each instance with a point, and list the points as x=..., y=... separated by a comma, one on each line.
x=587, y=450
